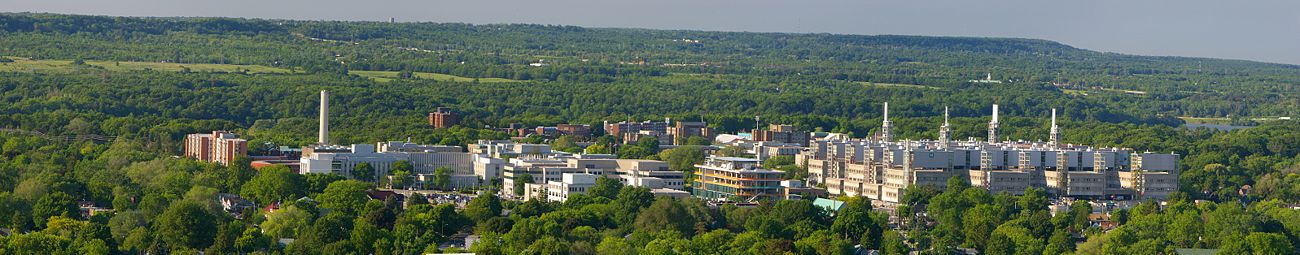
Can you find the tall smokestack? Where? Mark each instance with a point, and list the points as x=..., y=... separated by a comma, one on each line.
x=324, y=136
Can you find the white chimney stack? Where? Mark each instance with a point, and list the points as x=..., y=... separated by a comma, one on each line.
x=324, y=136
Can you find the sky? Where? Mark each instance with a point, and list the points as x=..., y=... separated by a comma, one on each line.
x=1260, y=30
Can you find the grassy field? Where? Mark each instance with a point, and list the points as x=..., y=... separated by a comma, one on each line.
x=1205, y=120
x=385, y=76
x=1103, y=90
x=1074, y=92
x=63, y=66
x=896, y=85
x=67, y=66
x=1222, y=120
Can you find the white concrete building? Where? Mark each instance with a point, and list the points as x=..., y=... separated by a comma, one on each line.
x=569, y=183
x=652, y=174
x=425, y=160
x=882, y=170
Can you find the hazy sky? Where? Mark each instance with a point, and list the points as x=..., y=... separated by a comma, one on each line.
x=1263, y=30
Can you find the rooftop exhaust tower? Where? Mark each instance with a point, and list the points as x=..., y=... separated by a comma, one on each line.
x=993, y=125
x=1055, y=131
x=324, y=136
x=945, y=131
x=886, y=128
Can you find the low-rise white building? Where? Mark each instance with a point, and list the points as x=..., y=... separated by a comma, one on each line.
x=424, y=159
x=544, y=171
x=570, y=183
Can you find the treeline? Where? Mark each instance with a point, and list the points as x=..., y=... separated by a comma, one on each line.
x=1173, y=86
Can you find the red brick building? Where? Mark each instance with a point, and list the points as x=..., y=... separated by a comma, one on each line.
x=219, y=147
x=443, y=118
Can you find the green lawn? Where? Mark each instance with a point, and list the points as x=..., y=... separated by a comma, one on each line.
x=386, y=76
x=63, y=66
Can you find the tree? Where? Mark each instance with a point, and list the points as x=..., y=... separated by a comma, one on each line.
x=697, y=140
x=1013, y=239
x=417, y=199
x=789, y=211
x=854, y=222
x=287, y=222
x=519, y=183
x=665, y=214
x=548, y=245
x=979, y=223
x=565, y=143
x=37, y=243
x=364, y=236
x=225, y=238
x=402, y=165
x=363, y=172
x=731, y=151
x=384, y=215
x=633, y=152
x=629, y=202
x=778, y=161
x=186, y=225
x=683, y=158
x=316, y=183
x=124, y=222
x=605, y=187
x=401, y=171
x=1061, y=242
x=611, y=245
x=1079, y=211
x=483, y=207
x=274, y=183
x=328, y=229
x=239, y=172
x=1034, y=199
x=347, y=197
x=892, y=244
x=597, y=148
x=823, y=242
x=54, y=204
x=253, y=240
x=442, y=178
x=649, y=143
x=1259, y=243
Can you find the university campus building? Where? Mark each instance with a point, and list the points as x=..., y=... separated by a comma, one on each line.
x=881, y=169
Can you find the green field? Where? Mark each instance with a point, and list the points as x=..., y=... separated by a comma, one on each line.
x=386, y=76
x=896, y=85
x=64, y=66
x=1223, y=120
x=1085, y=92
